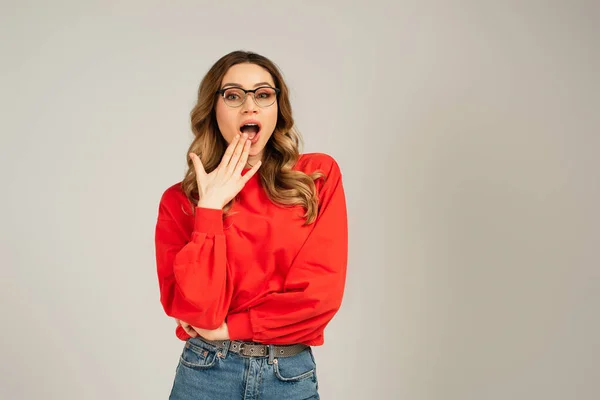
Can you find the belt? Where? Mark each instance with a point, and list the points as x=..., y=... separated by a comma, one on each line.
x=257, y=349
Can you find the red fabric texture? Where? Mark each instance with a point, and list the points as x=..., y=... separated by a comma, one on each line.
x=273, y=279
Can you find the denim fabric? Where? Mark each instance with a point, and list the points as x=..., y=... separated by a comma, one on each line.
x=206, y=372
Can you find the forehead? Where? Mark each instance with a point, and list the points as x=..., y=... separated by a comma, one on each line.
x=247, y=75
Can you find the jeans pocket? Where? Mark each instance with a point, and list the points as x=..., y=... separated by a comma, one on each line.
x=198, y=357
x=296, y=368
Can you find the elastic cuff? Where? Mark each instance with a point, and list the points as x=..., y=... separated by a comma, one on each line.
x=239, y=326
x=208, y=220
x=181, y=333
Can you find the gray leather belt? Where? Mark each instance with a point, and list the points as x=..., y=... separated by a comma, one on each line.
x=258, y=350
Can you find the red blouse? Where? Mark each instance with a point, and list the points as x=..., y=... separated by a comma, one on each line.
x=270, y=278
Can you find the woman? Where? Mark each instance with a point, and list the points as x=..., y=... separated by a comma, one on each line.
x=251, y=246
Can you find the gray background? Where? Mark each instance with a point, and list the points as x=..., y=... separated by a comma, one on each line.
x=467, y=133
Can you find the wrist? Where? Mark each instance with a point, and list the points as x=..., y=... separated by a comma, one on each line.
x=210, y=203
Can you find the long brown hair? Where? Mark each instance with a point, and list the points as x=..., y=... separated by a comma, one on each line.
x=283, y=185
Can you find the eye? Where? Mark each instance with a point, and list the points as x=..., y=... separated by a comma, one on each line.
x=232, y=94
x=264, y=93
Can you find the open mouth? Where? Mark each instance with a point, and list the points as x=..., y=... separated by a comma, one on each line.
x=252, y=129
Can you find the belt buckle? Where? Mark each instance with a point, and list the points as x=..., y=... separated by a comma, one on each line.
x=237, y=347
x=242, y=347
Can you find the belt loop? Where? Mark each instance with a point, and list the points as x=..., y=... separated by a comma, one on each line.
x=225, y=349
x=271, y=354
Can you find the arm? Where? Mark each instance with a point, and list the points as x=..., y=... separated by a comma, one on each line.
x=314, y=285
x=193, y=275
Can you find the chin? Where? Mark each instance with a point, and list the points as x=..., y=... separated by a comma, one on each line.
x=256, y=152
x=257, y=148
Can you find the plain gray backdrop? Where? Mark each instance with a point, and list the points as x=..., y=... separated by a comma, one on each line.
x=468, y=137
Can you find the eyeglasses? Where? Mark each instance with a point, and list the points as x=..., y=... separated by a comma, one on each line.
x=263, y=96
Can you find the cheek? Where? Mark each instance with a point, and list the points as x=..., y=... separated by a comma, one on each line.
x=272, y=117
x=226, y=122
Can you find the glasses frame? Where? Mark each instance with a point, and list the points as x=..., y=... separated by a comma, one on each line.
x=253, y=91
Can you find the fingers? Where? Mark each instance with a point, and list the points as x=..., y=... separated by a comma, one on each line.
x=202, y=332
x=198, y=167
x=239, y=148
x=229, y=152
x=243, y=159
x=251, y=173
x=188, y=329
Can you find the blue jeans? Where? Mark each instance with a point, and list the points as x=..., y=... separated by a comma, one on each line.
x=207, y=372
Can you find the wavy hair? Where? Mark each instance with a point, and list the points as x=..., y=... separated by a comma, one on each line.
x=283, y=185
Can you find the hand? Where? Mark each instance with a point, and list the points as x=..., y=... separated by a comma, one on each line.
x=221, y=333
x=187, y=328
x=221, y=185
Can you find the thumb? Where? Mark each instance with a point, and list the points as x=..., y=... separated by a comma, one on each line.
x=188, y=328
x=198, y=167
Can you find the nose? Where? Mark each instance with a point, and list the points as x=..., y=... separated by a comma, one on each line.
x=249, y=105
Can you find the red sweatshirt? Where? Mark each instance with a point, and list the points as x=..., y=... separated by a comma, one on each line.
x=271, y=279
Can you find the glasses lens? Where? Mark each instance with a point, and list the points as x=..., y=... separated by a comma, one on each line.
x=233, y=97
x=265, y=96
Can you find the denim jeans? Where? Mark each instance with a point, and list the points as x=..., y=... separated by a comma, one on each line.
x=207, y=372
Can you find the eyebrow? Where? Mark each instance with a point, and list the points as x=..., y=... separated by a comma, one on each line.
x=240, y=86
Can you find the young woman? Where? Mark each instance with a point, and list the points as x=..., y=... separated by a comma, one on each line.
x=252, y=245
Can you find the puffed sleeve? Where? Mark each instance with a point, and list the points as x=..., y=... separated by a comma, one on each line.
x=314, y=285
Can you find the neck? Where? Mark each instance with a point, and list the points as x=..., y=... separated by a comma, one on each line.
x=252, y=160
